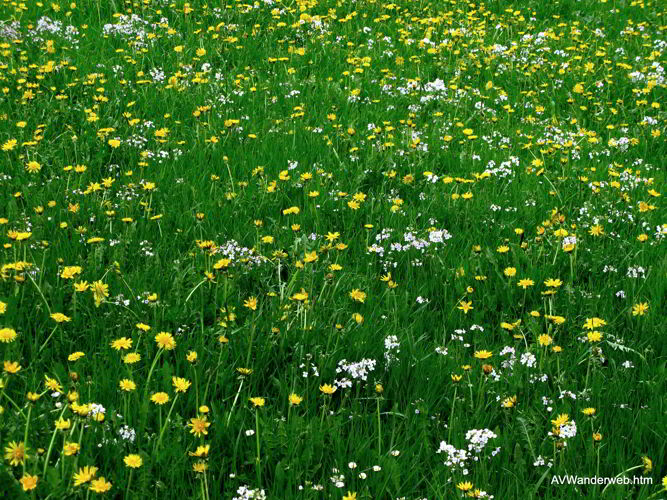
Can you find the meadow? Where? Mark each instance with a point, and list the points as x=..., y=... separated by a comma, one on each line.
x=333, y=249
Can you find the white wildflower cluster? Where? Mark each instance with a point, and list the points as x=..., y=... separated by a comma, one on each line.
x=636, y=272
x=356, y=371
x=133, y=27
x=246, y=493
x=539, y=462
x=391, y=349
x=454, y=457
x=478, y=438
x=127, y=433
x=528, y=359
x=238, y=254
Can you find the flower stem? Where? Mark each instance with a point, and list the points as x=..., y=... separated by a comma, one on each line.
x=164, y=427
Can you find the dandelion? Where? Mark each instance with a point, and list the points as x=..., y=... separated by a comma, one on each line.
x=15, y=453
x=70, y=448
x=327, y=389
x=28, y=482
x=483, y=354
x=525, y=283
x=60, y=318
x=358, y=295
x=465, y=486
x=127, y=385
x=257, y=402
x=251, y=303
x=199, y=426
x=165, y=340
x=180, y=384
x=100, y=292
x=7, y=335
x=639, y=309
x=84, y=475
x=160, y=398
x=100, y=485
x=295, y=399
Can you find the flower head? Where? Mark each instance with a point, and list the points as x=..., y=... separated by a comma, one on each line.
x=133, y=461
x=180, y=384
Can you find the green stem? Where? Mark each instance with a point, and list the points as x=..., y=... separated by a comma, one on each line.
x=231, y=410
x=129, y=481
x=379, y=428
x=164, y=427
x=258, y=459
x=25, y=437
x=53, y=438
x=451, y=416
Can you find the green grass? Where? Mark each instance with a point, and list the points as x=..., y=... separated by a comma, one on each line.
x=374, y=197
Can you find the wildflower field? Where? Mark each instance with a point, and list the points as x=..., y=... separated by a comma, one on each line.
x=333, y=249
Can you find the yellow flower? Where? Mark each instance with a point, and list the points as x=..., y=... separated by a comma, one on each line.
x=60, y=318
x=251, y=303
x=121, y=343
x=7, y=335
x=525, y=283
x=15, y=453
x=100, y=292
x=127, y=385
x=180, y=384
x=593, y=323
x=160, y=398
x=640, y=309
x=133, y=461
x=545, y=340
x=555, y=283
x=561, y=419
x=350, y=496
x=596, y=230
x=70, y=272
x=28, y=482
x=70, y=448
x=131, y=358
x=199, y=426
x=594, y=336
x=483, y=354
x=327, y=389
x=465, y=306
x=295, y=399
x=100, y=485
x=257, y=402
x=509, y=272
x=75, y=356
x=84, y=475
x=310, y=257
x=11, y=367
x=464, y=486
x=589, y=412
x=165, y=340
x=201, y=451
x=358, y=295
x=63, y=425
x=648, y=464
